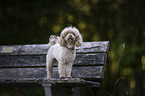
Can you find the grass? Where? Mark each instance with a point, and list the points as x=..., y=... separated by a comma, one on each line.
x=117, y=77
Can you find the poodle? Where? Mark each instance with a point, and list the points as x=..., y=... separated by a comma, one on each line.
x=63, y=50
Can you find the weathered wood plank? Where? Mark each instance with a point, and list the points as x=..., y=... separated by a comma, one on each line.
x=77, y=72
x=90, y=59
x=86, y=47
x=88, y=72
x=40, y=60
x=24, y=49
x=22, y=61
x=69, y=82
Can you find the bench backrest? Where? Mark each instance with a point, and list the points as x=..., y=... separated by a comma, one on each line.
x=29, y=61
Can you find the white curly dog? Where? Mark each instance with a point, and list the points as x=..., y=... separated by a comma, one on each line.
x=63, y=50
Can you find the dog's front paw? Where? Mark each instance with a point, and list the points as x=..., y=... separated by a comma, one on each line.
x=62, y=76
x=68, y=77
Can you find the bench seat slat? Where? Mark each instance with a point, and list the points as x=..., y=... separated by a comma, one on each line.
x=69, y=82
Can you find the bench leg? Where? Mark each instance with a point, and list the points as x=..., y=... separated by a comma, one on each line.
x=75, y=91
x=47, y=89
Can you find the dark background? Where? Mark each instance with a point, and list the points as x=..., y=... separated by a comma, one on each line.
x=117, y=21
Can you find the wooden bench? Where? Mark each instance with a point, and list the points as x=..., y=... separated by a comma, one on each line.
x=26, y=64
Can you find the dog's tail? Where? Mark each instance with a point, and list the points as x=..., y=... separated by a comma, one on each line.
x=53, y=40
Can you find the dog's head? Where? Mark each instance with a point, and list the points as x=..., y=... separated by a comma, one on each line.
x=70, y=37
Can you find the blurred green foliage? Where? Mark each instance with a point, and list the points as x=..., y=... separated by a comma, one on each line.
x=117, y=21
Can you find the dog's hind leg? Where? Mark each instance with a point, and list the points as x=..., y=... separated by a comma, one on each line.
x=49, y=66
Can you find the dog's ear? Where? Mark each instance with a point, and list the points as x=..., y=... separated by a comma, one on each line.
x=61, y=41
x=79, y=40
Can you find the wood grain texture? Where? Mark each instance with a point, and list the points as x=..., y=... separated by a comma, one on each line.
x=40, y=60
x=93, y=47
x=22, y=61
x=77, y=72
x=91, y=59
x=87, y=47
x=67, y=82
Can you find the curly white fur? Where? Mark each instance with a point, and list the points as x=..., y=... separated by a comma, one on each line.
x=63, y=51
